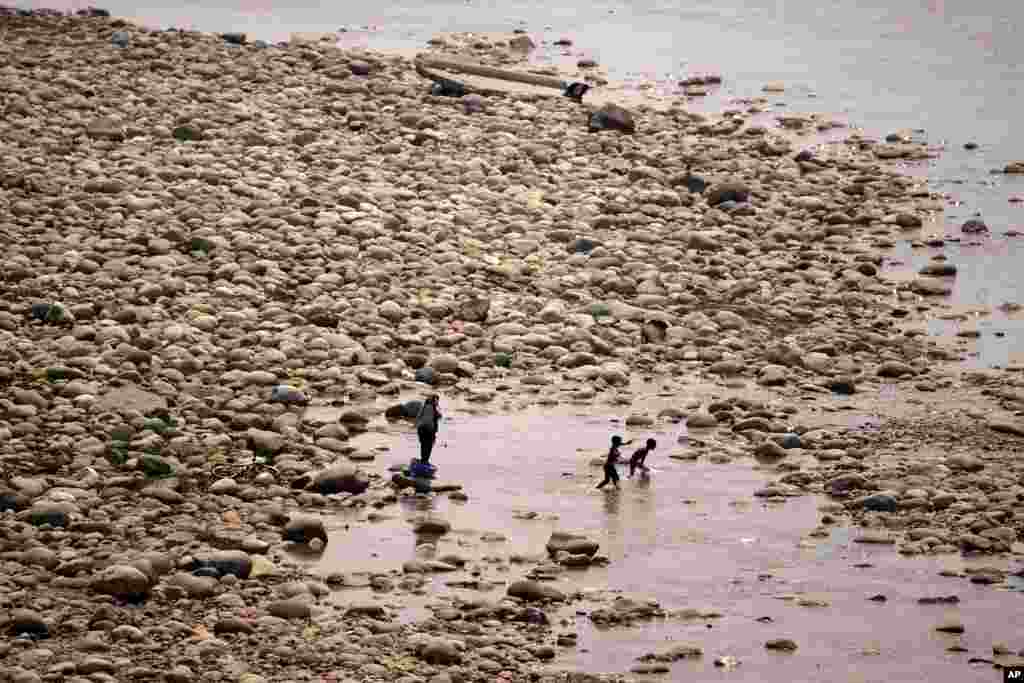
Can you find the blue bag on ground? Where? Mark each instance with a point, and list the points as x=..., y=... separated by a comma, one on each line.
x=420, y=469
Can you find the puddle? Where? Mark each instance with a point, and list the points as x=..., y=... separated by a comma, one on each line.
x=690, y=536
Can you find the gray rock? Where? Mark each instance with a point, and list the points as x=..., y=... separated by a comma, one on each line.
x=791, y=441
x=367, y=610
x=359, y=68
x=304, y=528
x=574, y=544
x=842, y=385
x=233, y=625
x=770, y=450
x=122, y=581
x=263, y=441
x=729, y=191
x=194, y=586
x=582, y=245
x=472, y=308
x=612, y=117
x=292, y=608
x=878, y=502
x=534, y=591
x=964, y=463
x=844, y=483
x=440, y=653
x=431, y=526
x=23, y=622
x=444, y=362
x=773, y=375
x=522, y=43
x=224, y=487
x=226, y=562
x=340, y=478
x=95, y=665
x=107, y=128
x=188, y=132
x=1014, y=428
x=426, y=375
x=895, y=369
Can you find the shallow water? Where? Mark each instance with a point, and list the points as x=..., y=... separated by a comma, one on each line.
x=689, y=536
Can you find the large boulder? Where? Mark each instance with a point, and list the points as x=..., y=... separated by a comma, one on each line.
x=122, y=581
x=304, y=528
x=444, y=362
x=261, y=440
x=534, y=591
x=729, y=191
x=225, y=562
x=895, y=369
x=194, y=586
x=431, y=526
x=845, y=483
x=612, y=117
x=472, y=308
x=23, y=622
x=439, y=652
x=340, y=478
x=574, y=544
x=292, y=608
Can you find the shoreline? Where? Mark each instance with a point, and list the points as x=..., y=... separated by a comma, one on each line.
x=329, y=225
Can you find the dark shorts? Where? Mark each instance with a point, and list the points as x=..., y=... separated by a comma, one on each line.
x=427, y=437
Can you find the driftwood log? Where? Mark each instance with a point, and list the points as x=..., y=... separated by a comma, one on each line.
x=428, y=67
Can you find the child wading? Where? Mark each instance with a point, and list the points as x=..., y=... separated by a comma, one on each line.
x=610, y=473
x=426, y=426
x=638, y=459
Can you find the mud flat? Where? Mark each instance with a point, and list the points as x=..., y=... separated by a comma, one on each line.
x=190, y=221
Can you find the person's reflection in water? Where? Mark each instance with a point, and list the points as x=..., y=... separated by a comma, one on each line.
x=612, y=505
x=642, y=510
x=416, y=503
x=612, y=502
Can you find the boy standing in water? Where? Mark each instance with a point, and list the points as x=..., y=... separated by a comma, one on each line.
x=426, y=426
x=610, y=473
x=640, y=457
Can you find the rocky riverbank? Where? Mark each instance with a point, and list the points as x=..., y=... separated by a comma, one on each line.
x=190, y=221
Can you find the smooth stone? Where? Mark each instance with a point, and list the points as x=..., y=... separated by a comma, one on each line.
x=293, y=608
x=122, y=581
x=533, y=591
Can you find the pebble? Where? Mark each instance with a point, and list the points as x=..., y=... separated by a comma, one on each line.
x=950, y=627
x=122, y=581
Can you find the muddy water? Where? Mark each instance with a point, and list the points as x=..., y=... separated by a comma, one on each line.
x=690, y=536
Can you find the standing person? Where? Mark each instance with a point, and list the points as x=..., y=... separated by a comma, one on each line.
x=638, y=458
x=610, y=473
x=426, y=426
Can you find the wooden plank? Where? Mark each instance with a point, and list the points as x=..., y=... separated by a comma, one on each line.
x=460, y=67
